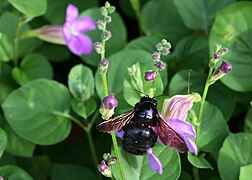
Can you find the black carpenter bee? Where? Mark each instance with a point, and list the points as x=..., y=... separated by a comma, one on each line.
x=138, y=126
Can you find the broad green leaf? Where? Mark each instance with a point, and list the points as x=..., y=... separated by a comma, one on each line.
x=161, y=18
x=3, y=141
x=216, y=94
x=14, y=173
x=213, y=129
x=7, y=84
x=137, y=83
x=245, y=172
x=198, y=161
x=81, y=82
x=30, y=8
x=84, y=109
x=191, y=52
x=235, y=153
x=136, y=167
x=58, y=17
x=199, y=14
x=33, y=66
x=117, y=41
x=70, y=171
x=38, y=111
x=232, y=29
x=248, y=121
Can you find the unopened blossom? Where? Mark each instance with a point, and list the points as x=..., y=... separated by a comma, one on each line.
x=160, y=65
x=74, y=29
x=149, y=75
x=104, y=169
x=175, y=111
x=224, y=69
x=108, y=105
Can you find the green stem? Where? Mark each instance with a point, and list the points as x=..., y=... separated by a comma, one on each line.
x=16, y=39
x=196, y=173
x=92, y=148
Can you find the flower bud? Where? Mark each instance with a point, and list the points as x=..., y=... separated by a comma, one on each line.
x=100, y=24
x=164, y=42
x=104, y=66
x=98, y=47
x=156, y=56
x=107, y=35
x=224, y=69
x=165, y=51
x=104, y=169
x=217, y=48
x=108, y=19
x=111, y=9
x=217, y=56
x=160, y=65
x=149, y=75
x=159, y=47
x=107, y=4
x=108, y=105
x=106, y=156
x=112, y=161
x=104, y=11
x=224, y=51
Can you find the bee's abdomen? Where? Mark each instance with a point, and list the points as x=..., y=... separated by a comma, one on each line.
x=137, y=139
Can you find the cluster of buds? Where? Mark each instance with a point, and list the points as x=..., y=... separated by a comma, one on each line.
x=108, y=105
x=104, y=166
x=223, y=69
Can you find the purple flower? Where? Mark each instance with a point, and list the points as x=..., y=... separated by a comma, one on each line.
x=160, y=65
x=73, y=30
x=104, y=169
x=175, y=111
x=224, y=69
x=110, y=102
x=149, y=75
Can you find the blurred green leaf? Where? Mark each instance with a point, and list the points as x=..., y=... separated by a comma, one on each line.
x=136, y=167
x=232, y=29
x=213, y=128
x=199, y=14
x=130, y=86
x=38, y=111
x=14, y=173
x=84, y=108
x=70, y=171
x=58, y=17
x=81, y=82
x=33, y=66
x=117, y=41
x=161, y=18
x=245, y=172
x=191, y=52
x=3, y=140
x=30, y=8
x=248, y=121
x=235, y=153
x=198, y=161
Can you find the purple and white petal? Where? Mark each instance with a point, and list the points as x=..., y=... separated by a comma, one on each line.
x=119, y=134
x=71, y=13
x=154, y=162
x=67, y=32
x=191, y=145
x=183, y=128
x=83, y=24
x=81, y=44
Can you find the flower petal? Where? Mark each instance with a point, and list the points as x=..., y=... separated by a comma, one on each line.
x=67, y=31
x=183, y=128
x=83, y=24
x=119, y=134
x=191, y=145
x=154, y=162
x=71, y=13
x=80, y=44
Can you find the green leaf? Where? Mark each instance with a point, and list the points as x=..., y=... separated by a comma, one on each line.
x=81, y=82
x=70, y=171
x=191, y=52
x=84, y=109
x=245, y=172
x=232, y=29
x=136, y=167
x=130, y=85
x=30, y=8
x=38, y=111
x=14, y=173
x=248, y=121
x=7, y=84
x=33, y=66
x=199, y=14
x=117, y=41
x=235, y=153
x=3, y=140
x=198, y=161
x=216, y=94
x=58, y=17
x=213, y=129
x=161, y=18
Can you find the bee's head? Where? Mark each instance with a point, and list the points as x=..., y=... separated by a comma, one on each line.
x=148, y=100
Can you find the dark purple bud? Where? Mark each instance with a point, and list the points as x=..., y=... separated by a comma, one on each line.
x=100, y=24
x=225, y=50
x=217, y=56
x=104, y=169
x=225, y=67
x=107, y=35
x=149, y=75
x=112, y=161
x=155, y=56
x=98, y=47
x=110, y=102
x=160, y=65
x=104, y=63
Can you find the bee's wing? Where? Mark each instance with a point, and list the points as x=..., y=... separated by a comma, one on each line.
x=169, y=137
x=117, y=122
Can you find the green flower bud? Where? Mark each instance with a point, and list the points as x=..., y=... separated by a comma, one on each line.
x=104, y=11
